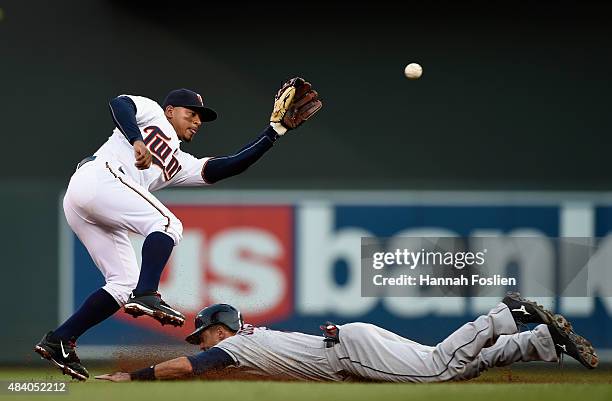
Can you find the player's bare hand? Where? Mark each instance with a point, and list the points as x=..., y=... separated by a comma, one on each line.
x=115, y=377
x=142, y=155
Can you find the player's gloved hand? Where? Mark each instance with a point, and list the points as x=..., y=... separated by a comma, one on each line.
x=294, y=103
x=142, y=155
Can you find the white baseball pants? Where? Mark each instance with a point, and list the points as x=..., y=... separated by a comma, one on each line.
x=101, y=206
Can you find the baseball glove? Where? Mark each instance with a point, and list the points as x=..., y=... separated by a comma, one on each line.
x=295, y=103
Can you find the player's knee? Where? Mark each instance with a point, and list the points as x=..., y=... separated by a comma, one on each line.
x=169, y=225
x=175, y=230
x=120, y=292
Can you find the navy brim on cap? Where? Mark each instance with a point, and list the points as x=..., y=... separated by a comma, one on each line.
x=206, y=114
x=191, y=100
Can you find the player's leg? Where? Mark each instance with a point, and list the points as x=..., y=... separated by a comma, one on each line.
x=449, y=357
x=533, y=345
x=113, y=254
x=127, y=205
x=464, y=346
x=371, y=352
x=544, y=343
x=367, y=351
x=374, y=353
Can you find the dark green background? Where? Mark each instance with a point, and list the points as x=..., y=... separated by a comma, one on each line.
x=514, y=96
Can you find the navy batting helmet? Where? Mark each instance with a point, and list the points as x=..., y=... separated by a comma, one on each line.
x=223, y=314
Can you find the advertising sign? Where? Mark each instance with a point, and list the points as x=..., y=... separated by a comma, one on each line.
x=293, y=260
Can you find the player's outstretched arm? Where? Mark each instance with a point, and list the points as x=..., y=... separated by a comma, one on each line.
x=173, y=369
x=178, y=368
x=294, y=103
x=219, y=168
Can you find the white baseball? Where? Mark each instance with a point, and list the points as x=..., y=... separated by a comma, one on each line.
x=413, y=71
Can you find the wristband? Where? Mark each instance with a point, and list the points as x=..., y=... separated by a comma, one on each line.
x=144, y=374
x=278, y=128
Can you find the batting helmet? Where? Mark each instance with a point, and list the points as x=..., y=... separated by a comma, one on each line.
x=223, y=314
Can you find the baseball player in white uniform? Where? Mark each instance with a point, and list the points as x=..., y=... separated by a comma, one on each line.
x=360, y=351
x=110, y=195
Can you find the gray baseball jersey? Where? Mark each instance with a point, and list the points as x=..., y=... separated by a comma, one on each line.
x=278, y=353
x=370, y=352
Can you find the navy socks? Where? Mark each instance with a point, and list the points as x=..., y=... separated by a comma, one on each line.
x=156, y=251
x=99, y=306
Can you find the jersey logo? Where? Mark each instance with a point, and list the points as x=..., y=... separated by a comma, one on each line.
x=159, y=145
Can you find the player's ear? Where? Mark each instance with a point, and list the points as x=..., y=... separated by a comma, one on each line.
x=169, y=111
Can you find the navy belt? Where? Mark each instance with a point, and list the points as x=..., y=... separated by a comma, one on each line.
x=85, y=160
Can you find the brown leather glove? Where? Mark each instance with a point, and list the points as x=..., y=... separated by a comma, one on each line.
x=295, y=103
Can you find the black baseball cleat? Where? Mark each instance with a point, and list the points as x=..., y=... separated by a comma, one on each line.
x=63, y=355
x=152, y=305
x=525, y=311
x=568, y=342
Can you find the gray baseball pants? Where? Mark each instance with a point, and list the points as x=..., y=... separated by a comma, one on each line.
x=370, y=352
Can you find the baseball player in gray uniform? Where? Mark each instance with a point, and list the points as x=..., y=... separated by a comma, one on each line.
x=360, y=351
x=110, y=195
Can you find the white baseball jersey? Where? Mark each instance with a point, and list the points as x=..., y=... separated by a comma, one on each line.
x=109, y=197
x=281, y=354
x=171, y=166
